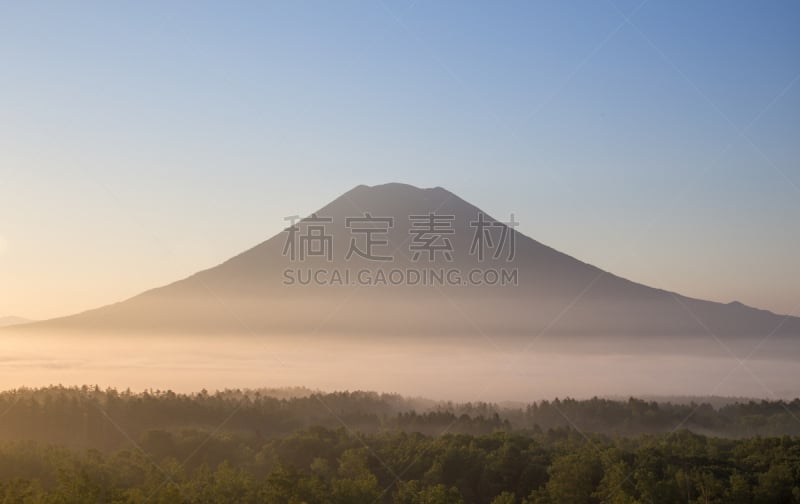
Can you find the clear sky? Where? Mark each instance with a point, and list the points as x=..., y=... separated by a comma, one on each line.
x=143, y=141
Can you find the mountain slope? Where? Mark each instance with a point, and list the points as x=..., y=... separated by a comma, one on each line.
x=11, y=320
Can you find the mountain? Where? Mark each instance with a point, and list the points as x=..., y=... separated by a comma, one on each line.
x=556, y=296
x=10, y=321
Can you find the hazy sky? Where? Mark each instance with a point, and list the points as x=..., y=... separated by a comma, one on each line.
x=143, y=141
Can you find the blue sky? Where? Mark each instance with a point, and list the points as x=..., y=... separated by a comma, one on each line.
x=143, y=141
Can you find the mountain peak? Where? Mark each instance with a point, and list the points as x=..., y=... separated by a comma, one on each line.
x=399, y=189
x=399, y=200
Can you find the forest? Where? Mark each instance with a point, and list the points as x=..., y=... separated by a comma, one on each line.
x=64, y=445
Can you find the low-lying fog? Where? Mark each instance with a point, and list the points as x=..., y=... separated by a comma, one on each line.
x=473, y=368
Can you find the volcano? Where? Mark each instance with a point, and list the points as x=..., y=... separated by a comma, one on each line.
x=393, y=261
